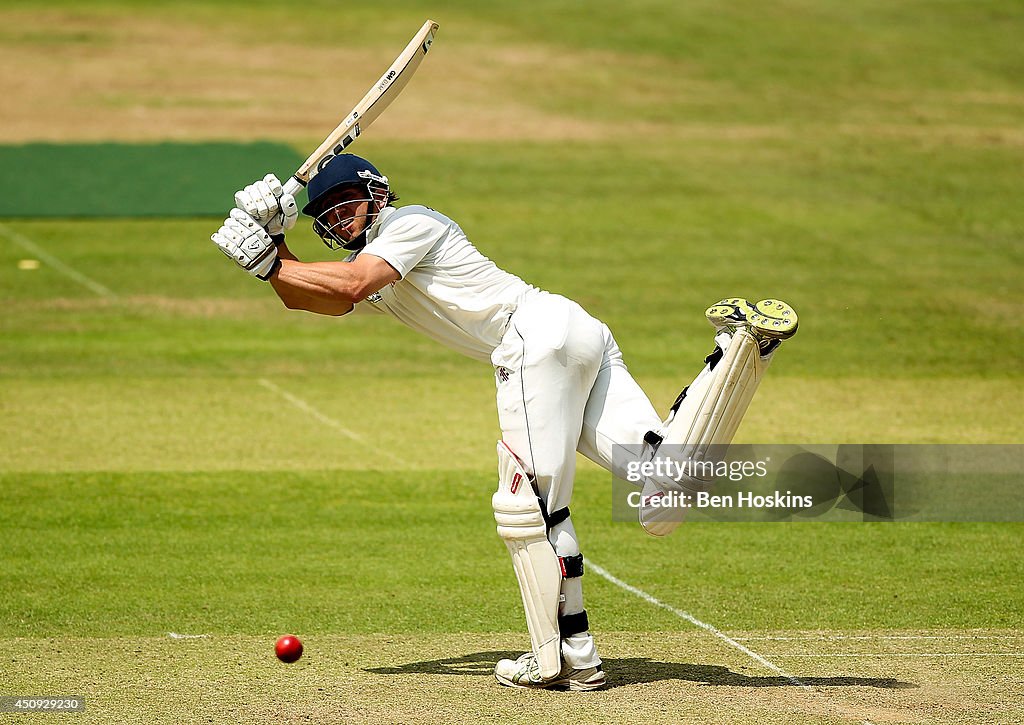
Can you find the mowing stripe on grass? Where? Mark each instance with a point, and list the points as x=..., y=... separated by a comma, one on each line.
x=68, y=271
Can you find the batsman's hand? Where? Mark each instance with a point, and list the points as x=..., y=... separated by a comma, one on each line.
x=266, y=202
x=244, y=240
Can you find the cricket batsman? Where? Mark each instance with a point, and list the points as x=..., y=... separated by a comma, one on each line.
x=562, y=386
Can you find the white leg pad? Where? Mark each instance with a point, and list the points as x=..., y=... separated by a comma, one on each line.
x=521, y=524
x=711, y=413
x=708, y=417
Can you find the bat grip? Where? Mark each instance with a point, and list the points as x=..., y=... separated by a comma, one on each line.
x=293, y=186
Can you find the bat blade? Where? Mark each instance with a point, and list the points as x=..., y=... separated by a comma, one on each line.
x=376, y=100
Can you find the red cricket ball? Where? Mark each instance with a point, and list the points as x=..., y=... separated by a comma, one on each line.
x=288, y=648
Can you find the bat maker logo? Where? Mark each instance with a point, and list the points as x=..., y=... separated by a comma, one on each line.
x=387, y=79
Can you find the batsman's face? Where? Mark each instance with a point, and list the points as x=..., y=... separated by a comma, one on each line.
x=347, y=213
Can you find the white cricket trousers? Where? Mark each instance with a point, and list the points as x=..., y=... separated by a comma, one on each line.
x=561, y=388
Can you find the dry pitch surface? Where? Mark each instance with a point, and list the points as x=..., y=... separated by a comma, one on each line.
x=691, y=677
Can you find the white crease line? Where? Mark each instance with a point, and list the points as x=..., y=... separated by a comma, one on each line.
x=693, y=620
x=601, y=571
x=175, y=635
x=33, y=248
x=907, y=654
x=378, y=451
x=304, y=406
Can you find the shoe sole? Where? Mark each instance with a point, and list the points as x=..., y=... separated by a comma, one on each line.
x=563, y=684
x=768, y=319
x=774, y=319
x=728, y=314
x=577, y=686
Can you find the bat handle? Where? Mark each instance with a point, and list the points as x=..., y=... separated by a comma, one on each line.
x=293, y=186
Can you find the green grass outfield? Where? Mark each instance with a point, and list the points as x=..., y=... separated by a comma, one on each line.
x=182, y=456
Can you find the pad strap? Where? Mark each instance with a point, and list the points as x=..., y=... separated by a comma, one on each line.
x=679, y=400
x=554, y=518
x=653, y=439
x=711, y=361
x=714, y=358
x=572, y=566
x=570, y=624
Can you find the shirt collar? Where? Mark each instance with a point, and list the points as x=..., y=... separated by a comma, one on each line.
x=374, y=229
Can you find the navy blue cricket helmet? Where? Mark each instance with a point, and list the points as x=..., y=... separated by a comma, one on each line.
x=341, y=170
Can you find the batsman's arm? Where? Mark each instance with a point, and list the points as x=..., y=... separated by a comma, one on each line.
x=329, y=288
x=282, y=249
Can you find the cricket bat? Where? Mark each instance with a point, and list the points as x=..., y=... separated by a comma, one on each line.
x=379, y=97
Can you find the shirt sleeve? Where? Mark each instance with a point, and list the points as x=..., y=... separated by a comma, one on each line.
x=405, y=239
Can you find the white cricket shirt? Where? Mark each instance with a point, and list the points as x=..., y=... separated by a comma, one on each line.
x=449, y=291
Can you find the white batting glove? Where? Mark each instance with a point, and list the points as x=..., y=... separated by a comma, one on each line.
x=266, y=202
x=245, y=241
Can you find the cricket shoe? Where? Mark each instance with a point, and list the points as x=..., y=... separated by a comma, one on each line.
x=770, y=321
x=774, y=320
x=524, y=673
x=729, y=314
